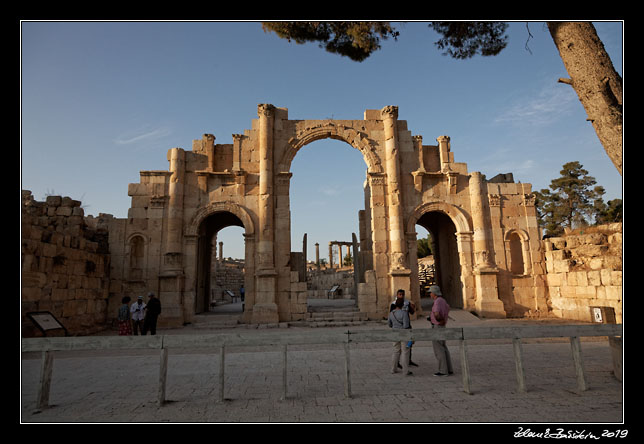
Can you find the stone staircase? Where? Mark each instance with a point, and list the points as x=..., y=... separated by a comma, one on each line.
x=331, y=313
x=320, y=313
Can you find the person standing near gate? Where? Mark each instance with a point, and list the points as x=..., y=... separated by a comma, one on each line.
x=410, y=308
x=125, y=323
x=152, y=312
x=138, y=313
x=399, y=319
x=438, y=318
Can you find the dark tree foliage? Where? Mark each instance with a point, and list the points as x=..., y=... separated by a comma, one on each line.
x=356, y=40
x=574, y=201
x=463, y=40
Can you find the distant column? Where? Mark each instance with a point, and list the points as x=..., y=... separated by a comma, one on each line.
x=317, y=255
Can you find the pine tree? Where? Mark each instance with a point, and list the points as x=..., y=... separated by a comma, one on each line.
x=573, y=201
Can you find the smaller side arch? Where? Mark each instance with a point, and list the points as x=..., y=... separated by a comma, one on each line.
x=522, y=234
x=202, y=213
x=136, y=255
x=517, y=251
x=458, y=216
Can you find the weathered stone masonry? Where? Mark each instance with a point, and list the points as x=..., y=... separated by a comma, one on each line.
x=176, y=213
x=65, y=265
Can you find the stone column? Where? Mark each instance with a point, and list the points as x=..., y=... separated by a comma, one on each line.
x=443, y=151
x=237, y=151
x=330, y=254
x=266, y=207
x=317, y=255
x=249, y=278
x=480, y=220
x=174, y=226
x=265, y=308
x=221, y=251
x=398, y=270
x=208, y=143
x=485, y=272
x=396, y=227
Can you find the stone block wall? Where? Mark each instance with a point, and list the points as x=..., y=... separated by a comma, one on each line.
x=584, y=269
x=226, y=275
x=321, y=281
x=65, y=265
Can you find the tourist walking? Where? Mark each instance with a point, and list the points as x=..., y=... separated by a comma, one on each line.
x=138, y=313
x=399, y=319
x=125, y=323
x=152, y=312
x=438, y=318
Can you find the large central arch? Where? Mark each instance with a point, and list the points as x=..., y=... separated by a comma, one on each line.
x=331, y=130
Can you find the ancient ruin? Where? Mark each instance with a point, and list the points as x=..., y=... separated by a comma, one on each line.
x=489, y=257
x=487, y=232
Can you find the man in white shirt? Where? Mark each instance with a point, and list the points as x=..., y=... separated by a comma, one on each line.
x=138, y=314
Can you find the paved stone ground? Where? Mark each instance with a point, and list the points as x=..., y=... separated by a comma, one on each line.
x=121, y=386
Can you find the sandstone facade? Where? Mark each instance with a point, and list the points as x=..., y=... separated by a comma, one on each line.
x=487, y=230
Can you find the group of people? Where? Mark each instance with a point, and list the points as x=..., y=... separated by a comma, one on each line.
x=399, y=312
x=139, y=317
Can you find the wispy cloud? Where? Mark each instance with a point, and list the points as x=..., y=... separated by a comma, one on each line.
x=142, y=135
x=330, y=190
x=544, y=108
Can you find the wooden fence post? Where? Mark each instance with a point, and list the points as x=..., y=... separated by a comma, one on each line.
x=465, y=368
x=575, y=345
x=284, y=376
x=222, y=359
x=46, y=368
x=518, y=362
x=347, y=367
x=163, y=374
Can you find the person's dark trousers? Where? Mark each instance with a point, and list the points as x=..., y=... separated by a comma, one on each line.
x=136, y=327
x=150, y=324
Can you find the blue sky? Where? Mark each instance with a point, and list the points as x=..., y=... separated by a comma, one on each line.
x=101, y=101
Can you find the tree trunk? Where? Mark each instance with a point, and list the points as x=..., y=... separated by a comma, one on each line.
x=593, y=77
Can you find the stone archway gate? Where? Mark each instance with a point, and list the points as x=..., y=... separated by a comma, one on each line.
x=250, y=178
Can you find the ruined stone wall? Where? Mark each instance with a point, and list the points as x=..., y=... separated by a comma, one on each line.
x=584, y=269
x=65, y=265
x=226, y=275
x=320, y=282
